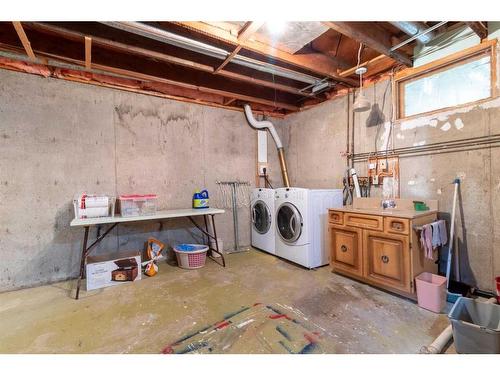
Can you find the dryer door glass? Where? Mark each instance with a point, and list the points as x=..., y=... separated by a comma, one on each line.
x=289, y=222
x=261, y=218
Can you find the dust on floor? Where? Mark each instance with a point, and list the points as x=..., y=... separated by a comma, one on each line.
x=145, y=316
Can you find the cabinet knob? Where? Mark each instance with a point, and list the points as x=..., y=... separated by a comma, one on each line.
x=343, y=248
x=385, y=259
x=397, y=225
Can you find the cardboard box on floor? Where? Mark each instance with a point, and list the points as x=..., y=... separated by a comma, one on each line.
x=108, y=270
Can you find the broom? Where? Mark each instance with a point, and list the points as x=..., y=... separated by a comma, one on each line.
x=455, y=289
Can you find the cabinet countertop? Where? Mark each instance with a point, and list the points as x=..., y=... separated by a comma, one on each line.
x=407, y=214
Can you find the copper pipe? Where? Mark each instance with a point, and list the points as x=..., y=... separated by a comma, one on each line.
x=284, y=171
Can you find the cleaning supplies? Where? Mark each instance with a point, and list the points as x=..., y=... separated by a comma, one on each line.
x=200, y=199
x=420, y=206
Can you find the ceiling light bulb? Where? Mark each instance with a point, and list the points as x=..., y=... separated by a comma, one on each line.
x=276, y=26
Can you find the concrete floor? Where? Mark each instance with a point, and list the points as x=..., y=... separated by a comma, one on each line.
x=146, y=316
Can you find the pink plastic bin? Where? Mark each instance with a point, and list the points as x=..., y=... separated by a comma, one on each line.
x=431, y=291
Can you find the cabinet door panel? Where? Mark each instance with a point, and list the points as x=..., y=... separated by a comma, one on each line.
x=346, y=249
x=387, y=259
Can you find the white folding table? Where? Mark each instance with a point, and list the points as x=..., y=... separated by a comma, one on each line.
x=158, y=216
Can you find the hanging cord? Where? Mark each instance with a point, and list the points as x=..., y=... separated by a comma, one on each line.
x=266, y=179
x=357, y=66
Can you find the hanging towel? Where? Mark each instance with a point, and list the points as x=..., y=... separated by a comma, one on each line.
x=436, y=238
x=426, y=240
x=442, y=232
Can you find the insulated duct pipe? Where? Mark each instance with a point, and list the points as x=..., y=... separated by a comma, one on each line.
x=180, y=41
x=414, y=28
x=270, y=127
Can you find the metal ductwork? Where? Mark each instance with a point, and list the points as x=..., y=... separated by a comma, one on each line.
x=164, y=36
x=270, y=127
x=415, y=28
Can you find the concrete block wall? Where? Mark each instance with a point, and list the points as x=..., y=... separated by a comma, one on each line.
x=318, y=136
x=59, y=138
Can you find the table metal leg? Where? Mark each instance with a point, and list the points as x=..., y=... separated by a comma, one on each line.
x=82, y=261
x=86, y=251
x=217, y=242
x=206, y=228
x=214, y=237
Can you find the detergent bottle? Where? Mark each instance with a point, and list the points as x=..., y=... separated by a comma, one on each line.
x=200, y=199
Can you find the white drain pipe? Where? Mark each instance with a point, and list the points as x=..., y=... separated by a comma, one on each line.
x=269, y=126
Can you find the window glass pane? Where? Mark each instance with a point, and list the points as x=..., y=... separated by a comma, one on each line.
x=461, y=84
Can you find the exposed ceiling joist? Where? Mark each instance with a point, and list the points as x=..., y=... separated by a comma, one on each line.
x=316, y=63
x=246, y=31
x=144, y=77
x=126, y=48
x=236, y=96
x=228, y=59
x=24, y=39
x=372, y=36
x=229, y=101
x=479, y=28
x=381, y=59
x=88, y=52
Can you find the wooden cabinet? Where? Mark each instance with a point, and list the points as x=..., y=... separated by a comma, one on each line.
x=387, y=260
x=380, y=250
x=346, y=249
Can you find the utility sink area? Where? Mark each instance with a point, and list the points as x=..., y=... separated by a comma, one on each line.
x=379, y=246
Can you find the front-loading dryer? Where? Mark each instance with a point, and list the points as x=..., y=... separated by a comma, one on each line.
x=301, y=224
x=263, y=223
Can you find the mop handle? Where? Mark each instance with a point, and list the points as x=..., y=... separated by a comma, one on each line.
x=452, y=232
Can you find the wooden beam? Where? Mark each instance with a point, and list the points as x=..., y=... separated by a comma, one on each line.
x=371, y=35
x=248, y=29
x=376, y=60
x=227, y=60
x=88, y=52
x=126, y=48
x=318, y=64
x=24, y=39
x=479, y=28
x=154, y=78
x=229, y=101
x=150, y=78
x=146, y=77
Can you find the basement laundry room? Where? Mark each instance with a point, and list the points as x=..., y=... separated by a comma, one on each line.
x=318, y=183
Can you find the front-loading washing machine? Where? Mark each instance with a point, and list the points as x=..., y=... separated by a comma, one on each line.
x=263, y=224
x=301, y=224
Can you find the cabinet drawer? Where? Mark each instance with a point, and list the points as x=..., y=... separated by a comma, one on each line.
x=396, y=225
x=336, y=217
x=346, y=249
x=387, y=260
x=363, y=221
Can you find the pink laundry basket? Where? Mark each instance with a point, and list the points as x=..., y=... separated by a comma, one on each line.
x=431, y=291
x=191, y=256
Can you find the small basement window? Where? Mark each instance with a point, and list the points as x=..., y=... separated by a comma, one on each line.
x=450, y=84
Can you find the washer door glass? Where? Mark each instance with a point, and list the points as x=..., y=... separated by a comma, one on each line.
x=289, y=221
x=261, y=218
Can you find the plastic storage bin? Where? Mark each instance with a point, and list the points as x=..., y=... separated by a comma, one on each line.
x=138, y=205
x=91, y=205
x=431, y=291
x=191, y=256
x=476, y=326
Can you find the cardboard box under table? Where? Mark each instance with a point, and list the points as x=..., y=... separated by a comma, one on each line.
x=104, y=271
